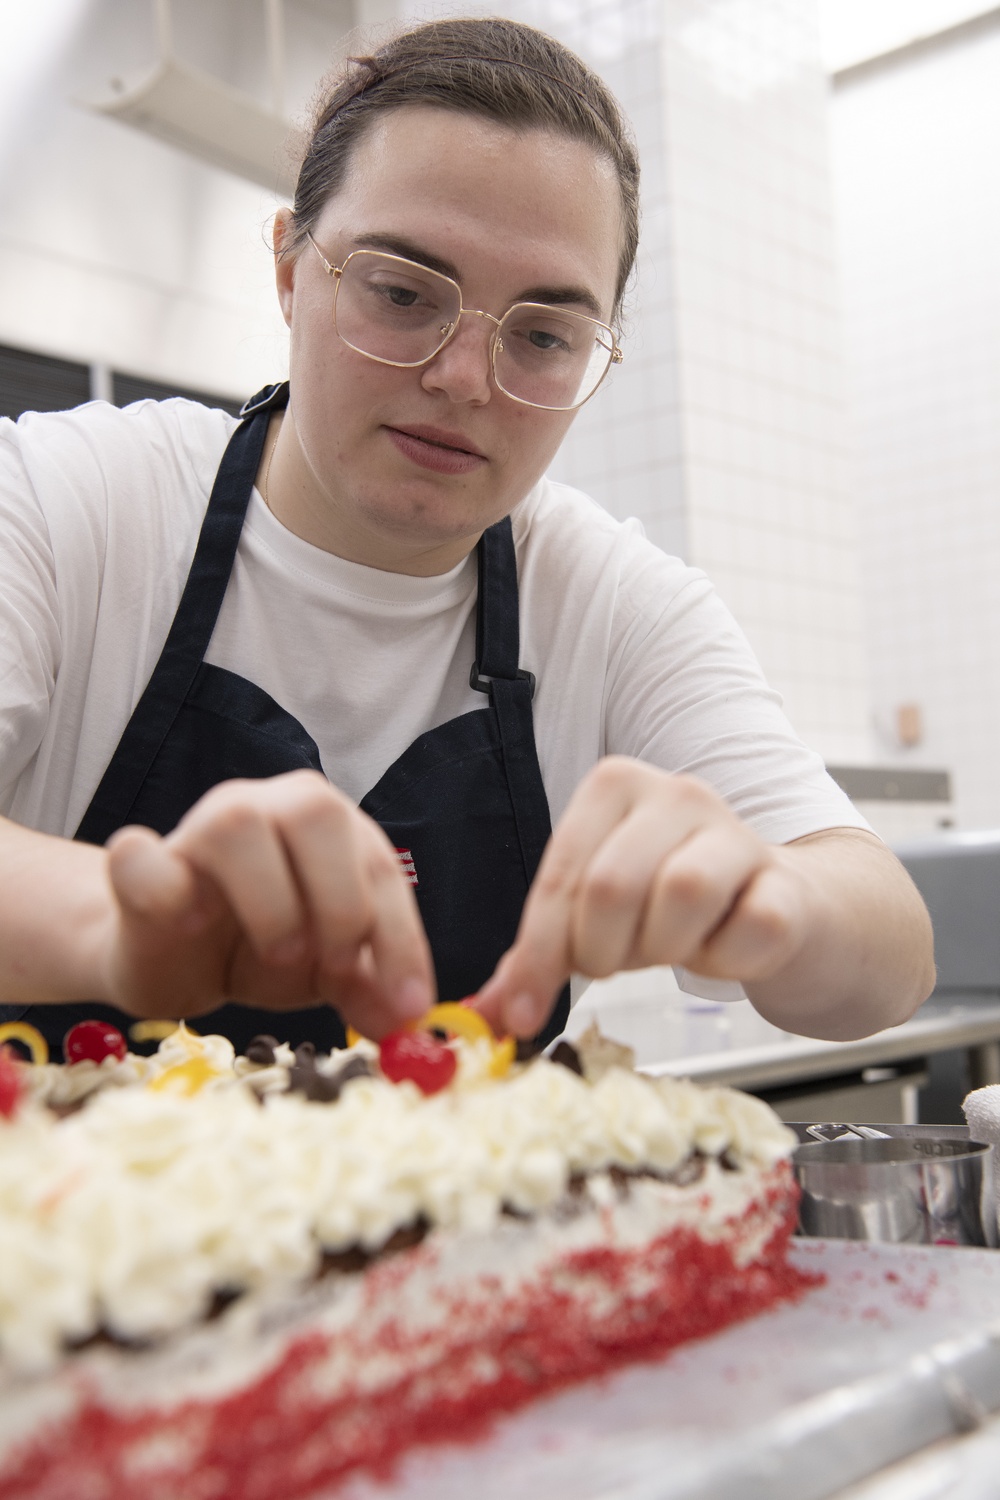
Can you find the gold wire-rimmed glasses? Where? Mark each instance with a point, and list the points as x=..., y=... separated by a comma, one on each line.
x=401, y=313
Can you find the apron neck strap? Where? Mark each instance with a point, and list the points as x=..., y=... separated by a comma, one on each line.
x=498, y=642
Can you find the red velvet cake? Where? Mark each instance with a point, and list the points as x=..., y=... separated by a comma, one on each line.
x=240, y=1279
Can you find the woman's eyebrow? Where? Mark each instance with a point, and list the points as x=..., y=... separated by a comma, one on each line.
x=559, y=296
x=556, y=296
x=394, y=244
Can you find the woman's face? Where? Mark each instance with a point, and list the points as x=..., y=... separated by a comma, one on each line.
x=404, y=468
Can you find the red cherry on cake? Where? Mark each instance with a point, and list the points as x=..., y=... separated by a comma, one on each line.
x=93, y=1041
x=418, y=1056
x=11, y=1087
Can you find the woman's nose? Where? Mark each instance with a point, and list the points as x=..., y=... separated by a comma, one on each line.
x=462, y=369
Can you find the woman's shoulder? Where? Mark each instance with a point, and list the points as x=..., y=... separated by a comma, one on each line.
x=565, y=536
x=150, y=463
x=100, y=436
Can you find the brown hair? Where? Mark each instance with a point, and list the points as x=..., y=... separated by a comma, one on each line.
x=492, y=67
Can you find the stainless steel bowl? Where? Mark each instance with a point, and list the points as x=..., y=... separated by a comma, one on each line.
x=927, y=1190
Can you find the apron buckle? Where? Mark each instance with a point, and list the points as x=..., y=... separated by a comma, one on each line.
x=483, y=684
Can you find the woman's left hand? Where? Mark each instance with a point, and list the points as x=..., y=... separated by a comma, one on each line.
x=649, y=868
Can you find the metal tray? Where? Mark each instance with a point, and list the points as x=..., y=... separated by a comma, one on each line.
x=898, y=1349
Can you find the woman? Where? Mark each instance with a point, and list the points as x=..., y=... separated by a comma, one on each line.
x=323, y=771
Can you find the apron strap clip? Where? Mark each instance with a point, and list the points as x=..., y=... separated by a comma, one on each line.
x=482, y=684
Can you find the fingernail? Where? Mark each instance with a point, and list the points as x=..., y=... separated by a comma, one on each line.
x=519, y=1015
x=413, y=997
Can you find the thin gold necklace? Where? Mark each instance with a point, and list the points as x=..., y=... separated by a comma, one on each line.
x=267, y=471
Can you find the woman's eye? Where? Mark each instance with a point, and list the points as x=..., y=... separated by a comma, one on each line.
x=399, y=296
x=543, y=340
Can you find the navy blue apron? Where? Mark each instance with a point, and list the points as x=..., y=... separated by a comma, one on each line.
x=465, y=802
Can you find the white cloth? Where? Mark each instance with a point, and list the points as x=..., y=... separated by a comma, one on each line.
x=982, y=1113
x=634, y=653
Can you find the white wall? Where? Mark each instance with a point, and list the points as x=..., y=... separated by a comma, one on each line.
x=115, y=248
x=918, y=191
x=725, y=430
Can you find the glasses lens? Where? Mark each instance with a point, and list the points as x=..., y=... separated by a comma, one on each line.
x=551, y=357
x=394, y=309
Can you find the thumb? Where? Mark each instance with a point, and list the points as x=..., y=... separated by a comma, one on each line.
x=149, y=880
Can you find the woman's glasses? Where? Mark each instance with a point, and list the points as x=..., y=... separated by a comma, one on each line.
x=398, y=312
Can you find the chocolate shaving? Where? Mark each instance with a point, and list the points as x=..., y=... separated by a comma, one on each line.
x=355, y=1258
x=692, y=1170
x=261, y=1051
x=527, y=1048
x=305, y=1078
x=566, y=1054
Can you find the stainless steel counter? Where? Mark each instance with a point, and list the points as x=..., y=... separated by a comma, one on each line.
x=939, y=1026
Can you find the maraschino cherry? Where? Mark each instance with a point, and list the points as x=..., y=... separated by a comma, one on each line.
x=11, y=1086
x=93, y=1041
x=418, y=1056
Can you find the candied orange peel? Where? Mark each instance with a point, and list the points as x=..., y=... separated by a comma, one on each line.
x=29, y=1036
x=155, y=1031
x=187, y=1078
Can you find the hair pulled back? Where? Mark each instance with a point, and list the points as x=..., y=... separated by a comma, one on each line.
x=494, y=68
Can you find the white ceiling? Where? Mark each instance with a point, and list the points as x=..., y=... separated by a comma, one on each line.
x=857, y=29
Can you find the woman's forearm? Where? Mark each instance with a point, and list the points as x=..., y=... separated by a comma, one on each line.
x=55, y=907
x=868, y=959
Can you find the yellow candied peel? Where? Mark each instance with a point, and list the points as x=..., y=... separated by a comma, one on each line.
x=157, y=1031
x=197, y=1069
x=29, y=1036
x=185, y=1078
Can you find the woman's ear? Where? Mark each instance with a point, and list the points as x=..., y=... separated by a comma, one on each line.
x=284, y=262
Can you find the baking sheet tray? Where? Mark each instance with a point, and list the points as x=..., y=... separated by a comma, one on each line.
x=899, y=1348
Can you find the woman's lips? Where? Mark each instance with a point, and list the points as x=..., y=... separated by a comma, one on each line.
x=438, y=451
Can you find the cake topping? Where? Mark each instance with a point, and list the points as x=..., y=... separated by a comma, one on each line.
x=566, y=1054
x=93, y=1041
x=11, y=1086
x=132, y=1212
x=305, y=1077
x=153, y=1030
x=28, y=1036
x=598, y=1054
x=261, y=1050
x=419, y=1057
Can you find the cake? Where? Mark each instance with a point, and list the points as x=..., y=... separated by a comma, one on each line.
x=240, y=1278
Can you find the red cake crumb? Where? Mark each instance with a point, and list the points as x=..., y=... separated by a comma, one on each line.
x=284, y=1438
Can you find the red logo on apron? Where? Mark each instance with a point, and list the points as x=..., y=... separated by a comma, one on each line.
x=407, y=866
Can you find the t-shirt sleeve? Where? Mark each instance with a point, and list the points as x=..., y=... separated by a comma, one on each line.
x=686, y=692
x=30, y=644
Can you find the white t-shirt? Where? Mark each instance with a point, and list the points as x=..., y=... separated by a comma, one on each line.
x=633, y=652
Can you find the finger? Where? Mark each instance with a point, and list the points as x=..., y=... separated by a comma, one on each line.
x=522, y=991
x=149, y=881
x=401, y=955
x=553, y=926
x=761, y=934
x=328, y=845
x=356, y=896
x=692, y=892
x=362, y=1003
x=230, y=835
x=615, y=888
x=165, y=961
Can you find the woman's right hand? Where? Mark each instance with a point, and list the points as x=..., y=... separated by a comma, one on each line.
x=278, y=893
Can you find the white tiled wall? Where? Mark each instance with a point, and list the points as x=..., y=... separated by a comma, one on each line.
x=724, y=431
x=918, y=191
